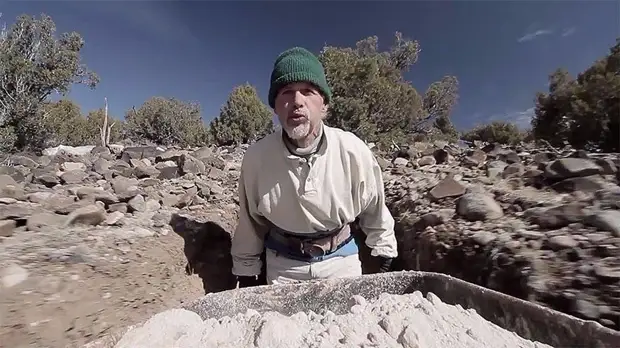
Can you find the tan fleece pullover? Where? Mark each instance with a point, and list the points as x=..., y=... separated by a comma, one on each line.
x=329, y=189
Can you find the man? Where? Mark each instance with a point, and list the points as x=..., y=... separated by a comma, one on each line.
x=301, y=188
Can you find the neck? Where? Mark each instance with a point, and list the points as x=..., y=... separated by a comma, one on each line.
x=308, y=144
x=311, y=139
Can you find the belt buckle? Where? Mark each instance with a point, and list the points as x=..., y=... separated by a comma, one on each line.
x=312, y=250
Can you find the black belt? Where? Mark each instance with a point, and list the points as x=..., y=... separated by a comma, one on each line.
x=311, y=245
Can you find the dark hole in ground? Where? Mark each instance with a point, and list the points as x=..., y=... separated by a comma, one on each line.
x=207, y=250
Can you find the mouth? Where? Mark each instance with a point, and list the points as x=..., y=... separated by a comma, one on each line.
x=297, y=117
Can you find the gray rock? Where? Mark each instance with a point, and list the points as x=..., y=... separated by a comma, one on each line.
x=13, y=275
x=400, y=162
x=477, y=206
x=45, y=220
x=7, y=227
x=71, y=166
x=92, y=214
x=608, y=220
x=565, y=168
x=448, y=187
x=426, y=161
x=137, y=203
x=562, y=242
x=558, y=216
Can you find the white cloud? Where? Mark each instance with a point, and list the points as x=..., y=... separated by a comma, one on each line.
x=532, y=35
x=523, y=118
x=569, y=31
x=520, y=118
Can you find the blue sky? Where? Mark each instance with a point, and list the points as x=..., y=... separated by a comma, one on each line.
x=501, y=51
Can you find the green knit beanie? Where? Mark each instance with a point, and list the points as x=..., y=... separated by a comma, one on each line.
x=297, y=65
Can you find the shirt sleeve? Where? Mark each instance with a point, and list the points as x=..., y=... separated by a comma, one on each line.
x=376, y=220
x=248, y=240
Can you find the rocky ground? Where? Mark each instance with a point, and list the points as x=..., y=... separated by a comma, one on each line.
x=93, y=240
x=538, y=224
x=91, y=243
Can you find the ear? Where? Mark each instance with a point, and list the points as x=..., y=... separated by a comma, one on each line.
x=324, y=109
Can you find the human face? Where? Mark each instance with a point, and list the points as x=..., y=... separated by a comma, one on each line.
x=300, y=109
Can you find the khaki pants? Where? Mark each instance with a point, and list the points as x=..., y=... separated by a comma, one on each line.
x=282, y=270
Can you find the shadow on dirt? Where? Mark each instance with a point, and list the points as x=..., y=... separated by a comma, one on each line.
x=207, y=250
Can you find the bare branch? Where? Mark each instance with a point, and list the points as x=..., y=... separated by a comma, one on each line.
x=105, y=130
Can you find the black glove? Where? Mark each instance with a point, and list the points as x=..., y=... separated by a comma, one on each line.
x=385, y=264
x=248, y=281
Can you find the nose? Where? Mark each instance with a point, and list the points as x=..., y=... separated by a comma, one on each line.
x=298, y=98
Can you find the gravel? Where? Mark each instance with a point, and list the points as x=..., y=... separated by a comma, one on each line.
x=410, y=321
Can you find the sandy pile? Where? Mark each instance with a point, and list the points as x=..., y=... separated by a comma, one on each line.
x=409, y=321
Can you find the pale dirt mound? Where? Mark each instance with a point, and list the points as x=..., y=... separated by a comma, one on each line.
x=391, y=321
